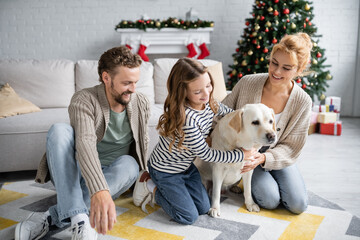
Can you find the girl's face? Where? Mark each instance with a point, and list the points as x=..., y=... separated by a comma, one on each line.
x=281, y=68
x=198, y=91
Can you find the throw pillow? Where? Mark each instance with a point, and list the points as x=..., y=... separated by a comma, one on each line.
x=11, y=104
x=216, y=72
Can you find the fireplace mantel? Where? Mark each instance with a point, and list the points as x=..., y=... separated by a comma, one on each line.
x=165, y=40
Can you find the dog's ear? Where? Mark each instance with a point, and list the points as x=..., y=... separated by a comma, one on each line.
x=236, y=121
x=273, y=117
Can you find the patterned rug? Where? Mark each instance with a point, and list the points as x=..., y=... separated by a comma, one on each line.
x=322, y=220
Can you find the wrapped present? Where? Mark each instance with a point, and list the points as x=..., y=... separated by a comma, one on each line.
x=334, y=103
x=313, y=128
x=319, y=108
x=330, y=128
x=314, y=117
x=327, y=117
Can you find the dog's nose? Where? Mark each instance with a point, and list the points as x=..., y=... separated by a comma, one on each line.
x=270, y=137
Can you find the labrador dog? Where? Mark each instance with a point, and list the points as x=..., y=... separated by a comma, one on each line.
x=253, y=126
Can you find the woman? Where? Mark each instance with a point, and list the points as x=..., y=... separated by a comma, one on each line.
x=276, y=179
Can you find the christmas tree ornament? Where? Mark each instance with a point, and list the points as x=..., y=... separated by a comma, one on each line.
x=328, y=76
x=258, y=46
x=260, y=37
x=240, y=75
x=250, y=52
x=303, y=86
x=270, y=9
x=204, y=51
x=286, y=11
x=318, y=55
x=235, y=62
x=243, y=63
x=262, y=59
x=322, y=97
x=276, y=22
x=274, y=41
x=262, y=18
x=233, y=72
x=293, y=25
x=314, y=61
x=298, y=80
x=268, y=24
x=265, y=50
x=257, y=27
x=276, y=13
x=266, y=29
x=307, y=7
x=314, y=44
x=276, y=1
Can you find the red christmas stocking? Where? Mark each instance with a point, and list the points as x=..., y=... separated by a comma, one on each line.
x=142, y=54
x=192, y=51
x=204, y=51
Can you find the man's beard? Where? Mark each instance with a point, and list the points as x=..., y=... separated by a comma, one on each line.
x=119, y=97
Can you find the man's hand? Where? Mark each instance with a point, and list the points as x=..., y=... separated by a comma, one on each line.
x=102, y=212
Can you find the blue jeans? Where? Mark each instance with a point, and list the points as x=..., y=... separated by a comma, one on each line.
x=285, y=186
x=182, y=195
x=72, y=193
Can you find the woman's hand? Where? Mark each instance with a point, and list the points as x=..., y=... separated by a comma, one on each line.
x=252, y=159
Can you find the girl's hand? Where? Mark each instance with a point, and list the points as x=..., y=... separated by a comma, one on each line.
x=252, y=162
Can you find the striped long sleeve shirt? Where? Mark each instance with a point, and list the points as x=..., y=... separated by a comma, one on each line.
x=196, y=128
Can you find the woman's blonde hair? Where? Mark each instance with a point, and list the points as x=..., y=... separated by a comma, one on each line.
x=298, y=46
x=171, y=122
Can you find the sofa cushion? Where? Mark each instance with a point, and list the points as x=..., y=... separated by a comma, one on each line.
x=11, y=104
x=217, y=74
x=162, y=68
x=23, y=138
x=86, y=75
x=45, y=83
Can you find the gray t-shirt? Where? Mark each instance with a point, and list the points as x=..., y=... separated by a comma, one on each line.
x=117, y=138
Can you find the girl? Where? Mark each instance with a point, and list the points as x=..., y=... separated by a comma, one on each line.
x=174, y=182
x=276, y=178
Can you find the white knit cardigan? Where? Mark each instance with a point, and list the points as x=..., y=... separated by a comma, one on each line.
x=292, y=128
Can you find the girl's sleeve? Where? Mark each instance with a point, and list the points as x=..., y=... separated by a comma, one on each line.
x=223, y=110
x=195, y=142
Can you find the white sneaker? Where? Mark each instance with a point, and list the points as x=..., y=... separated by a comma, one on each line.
x=33, y=228
x=141, y=195
x=82, y=231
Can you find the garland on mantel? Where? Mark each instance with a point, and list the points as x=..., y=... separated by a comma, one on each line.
x=143, y=24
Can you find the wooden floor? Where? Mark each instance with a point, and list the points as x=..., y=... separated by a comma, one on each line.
x=330, y=165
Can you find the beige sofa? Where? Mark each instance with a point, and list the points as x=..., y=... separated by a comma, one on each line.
x=50, y=84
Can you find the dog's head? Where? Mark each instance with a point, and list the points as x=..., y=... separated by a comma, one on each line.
x=257, y=122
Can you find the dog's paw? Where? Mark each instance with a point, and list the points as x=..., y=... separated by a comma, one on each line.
x=252, y=207
x=214, y=212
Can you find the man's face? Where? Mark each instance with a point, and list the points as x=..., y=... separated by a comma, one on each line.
x=122, y=84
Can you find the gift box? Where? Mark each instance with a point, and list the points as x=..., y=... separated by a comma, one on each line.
x=314, y=117
x=319, y=108
x=330, y=128
x=327, y=117
x=334, y=103
x=313, y=128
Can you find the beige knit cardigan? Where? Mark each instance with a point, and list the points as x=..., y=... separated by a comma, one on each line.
x=89, y=113
x=293, y=125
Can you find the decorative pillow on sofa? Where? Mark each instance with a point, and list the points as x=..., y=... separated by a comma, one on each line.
x=217, y=74
x=11, y=104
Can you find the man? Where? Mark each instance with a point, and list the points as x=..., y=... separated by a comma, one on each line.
x=97, y=158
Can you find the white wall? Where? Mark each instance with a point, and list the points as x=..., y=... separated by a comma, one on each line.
x=84, y=29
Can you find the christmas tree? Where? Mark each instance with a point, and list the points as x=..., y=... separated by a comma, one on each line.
x=270, y=21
